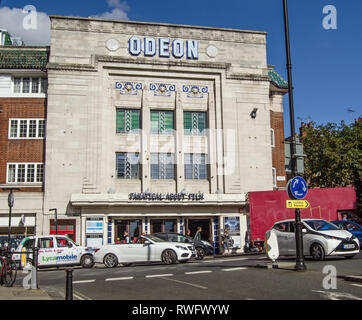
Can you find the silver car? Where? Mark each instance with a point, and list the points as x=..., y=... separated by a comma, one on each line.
x=320, y=239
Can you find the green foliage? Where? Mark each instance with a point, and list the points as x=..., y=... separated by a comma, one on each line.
x=334, y=156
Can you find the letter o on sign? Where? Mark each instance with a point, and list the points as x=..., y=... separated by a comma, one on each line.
x=135, y=46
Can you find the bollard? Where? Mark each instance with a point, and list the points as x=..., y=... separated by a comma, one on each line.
x=35, y=268
x=69, y=284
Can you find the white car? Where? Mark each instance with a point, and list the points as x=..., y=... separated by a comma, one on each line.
x=148, y=249
x=55, y=251
x=320, y=239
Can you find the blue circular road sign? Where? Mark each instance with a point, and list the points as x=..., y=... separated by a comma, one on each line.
x=297, y=188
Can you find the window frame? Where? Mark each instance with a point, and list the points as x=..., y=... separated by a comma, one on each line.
x=272, y=137
x=173, y=165
x=136, y=154
x=42, y=85
x=131, y=131
x=166, y=131
x=28, y=121
x=195, y=131
x=38, y=166
x=192, y=156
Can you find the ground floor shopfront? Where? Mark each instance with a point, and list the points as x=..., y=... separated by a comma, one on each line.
x=104, y=220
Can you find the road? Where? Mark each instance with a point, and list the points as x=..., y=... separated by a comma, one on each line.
x=226, y=278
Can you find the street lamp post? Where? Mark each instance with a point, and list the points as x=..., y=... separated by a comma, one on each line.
x=10, y=204
x=300, y=265
x=56, y=219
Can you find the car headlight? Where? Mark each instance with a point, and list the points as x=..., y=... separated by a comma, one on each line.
x=181, y=247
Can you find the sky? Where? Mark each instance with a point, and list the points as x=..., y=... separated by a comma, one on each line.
x=326, y=46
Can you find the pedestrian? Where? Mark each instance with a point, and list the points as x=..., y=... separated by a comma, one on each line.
x=344, y=217
x=188, y=233
x=225, y=240
x=198, y=234
x=126, y=237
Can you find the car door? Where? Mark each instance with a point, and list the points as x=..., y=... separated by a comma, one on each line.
x=138, y=252
x=290, y=235
x=282, y=236
x=47, y=254
x=66, y=252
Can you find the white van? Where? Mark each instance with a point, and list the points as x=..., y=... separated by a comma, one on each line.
x=55, y=251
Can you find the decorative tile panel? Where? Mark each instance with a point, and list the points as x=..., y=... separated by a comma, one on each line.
x=128, y=88
x=162, y=89
x=193, y=91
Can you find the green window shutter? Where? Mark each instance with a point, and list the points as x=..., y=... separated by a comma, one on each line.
x=135, y=118
x=154, y=121
x=168, y=124
x=120, y=122
x=187, y=123
x=201, y=122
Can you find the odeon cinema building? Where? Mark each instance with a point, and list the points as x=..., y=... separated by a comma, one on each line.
x=156, y=127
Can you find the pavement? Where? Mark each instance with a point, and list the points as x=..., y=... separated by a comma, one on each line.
x=19, y=293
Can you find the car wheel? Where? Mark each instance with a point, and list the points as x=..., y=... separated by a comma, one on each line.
x=168, y=257
x=110, y=260
x=200, y=253
x=317, y=252
x=349, y=257
x=87, y=261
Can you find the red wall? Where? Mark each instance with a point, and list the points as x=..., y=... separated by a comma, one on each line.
x=268, y=207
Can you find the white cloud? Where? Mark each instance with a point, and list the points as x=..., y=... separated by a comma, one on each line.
x=21, y=24
x=119, y=11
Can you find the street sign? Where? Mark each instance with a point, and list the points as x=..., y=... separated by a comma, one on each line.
x=297, y=188
x=297, y=204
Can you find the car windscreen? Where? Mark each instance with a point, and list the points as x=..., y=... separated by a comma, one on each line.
x=154, y=239
x=321, y=225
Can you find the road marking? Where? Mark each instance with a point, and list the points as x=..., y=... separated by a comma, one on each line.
x=356, y=285
x=187, y=283
x=225, y=260
x=198, y=272
x=338, y=295
x=120, y=278
x=159, y=275
x=234, y=269
x=80, y=296
x=83, y=281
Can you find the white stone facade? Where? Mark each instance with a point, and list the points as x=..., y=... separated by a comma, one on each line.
x=89, y=66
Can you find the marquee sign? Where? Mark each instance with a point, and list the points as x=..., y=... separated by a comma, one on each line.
x=164, y=47
x=168, y=196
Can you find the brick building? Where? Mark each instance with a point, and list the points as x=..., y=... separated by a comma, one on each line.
x=23, y=90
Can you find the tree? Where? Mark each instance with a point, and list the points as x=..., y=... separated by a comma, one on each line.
x=334, y=156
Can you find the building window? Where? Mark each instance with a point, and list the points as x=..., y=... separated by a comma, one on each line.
x=127, y=121
x=25, y=172
x=29, y=85
x=162, y=122
x=26, y=128
x=162, y=166
x=195, y=166
x=194, y=123
x=127, y=165
x=274, y=172
x=272, y=137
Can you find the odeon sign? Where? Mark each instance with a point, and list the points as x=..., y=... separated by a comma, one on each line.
x=166, y=47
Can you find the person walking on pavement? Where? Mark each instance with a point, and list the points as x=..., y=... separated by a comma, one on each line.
x=198, y=234
x=125, y=237
x=225, y=240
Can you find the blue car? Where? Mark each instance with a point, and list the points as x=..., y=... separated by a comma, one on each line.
x=350, y=226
